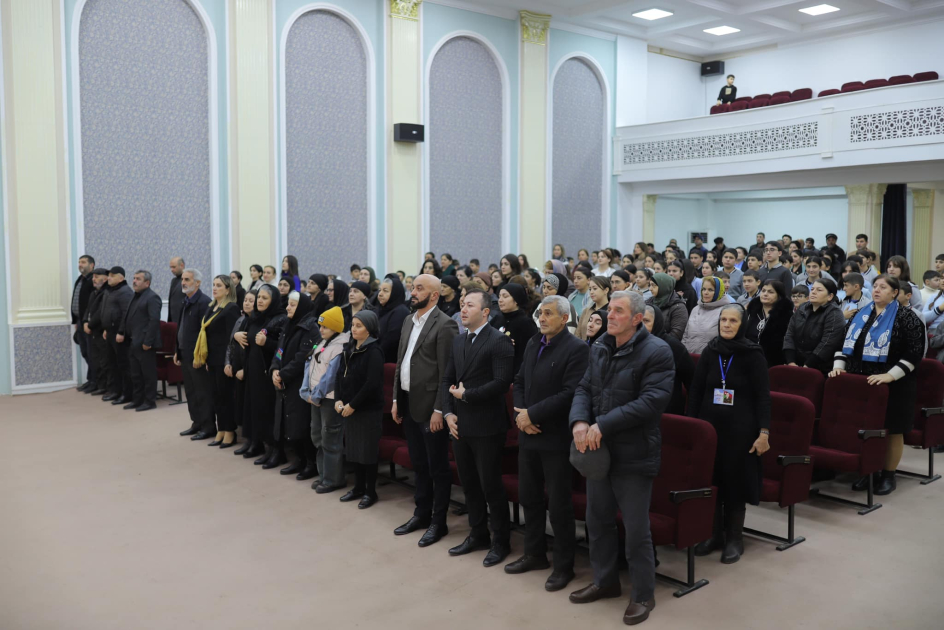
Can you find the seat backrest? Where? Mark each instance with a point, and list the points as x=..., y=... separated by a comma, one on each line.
x=778, y=100
x=715, y=109
x=168, y=337
x=875, y=83
x=726, y=107
x=743, y=99
x=930, y=377
x=758, y=102
x=900, y=79
x=737, y=106
x=757, y=96
x=791, y=430
x=803, y=382
x=852, y=86
x=802, y=94
x=776, y=94
x=688, y=459
x=926, y=76
x=828, y=92
x=390, y=370
x=850, y=404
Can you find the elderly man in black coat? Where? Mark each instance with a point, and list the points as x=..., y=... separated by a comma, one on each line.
x=198, y=383
x=617, y=410
x=554, y=362
x=114, y=306
x=142, y=327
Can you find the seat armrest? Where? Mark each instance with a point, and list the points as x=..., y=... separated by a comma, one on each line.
x=927, y=412
x=866, y=434
x=788, y=460
x=678, y=496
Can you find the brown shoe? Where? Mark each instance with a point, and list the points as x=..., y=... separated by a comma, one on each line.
x=593, y=592
x=637, y=612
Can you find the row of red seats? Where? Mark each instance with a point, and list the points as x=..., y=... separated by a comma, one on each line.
x=778, y=98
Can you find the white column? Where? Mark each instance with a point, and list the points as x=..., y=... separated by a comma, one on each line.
x=865, y=214
x=922, y=257
x=649, y=218
x=532, y=232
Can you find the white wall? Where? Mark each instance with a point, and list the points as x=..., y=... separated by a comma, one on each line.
x=828, y=64
x=739, y=216
x=631, y=73
x=674, y=89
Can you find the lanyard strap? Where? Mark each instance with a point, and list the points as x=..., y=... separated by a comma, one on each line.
x=724, y=372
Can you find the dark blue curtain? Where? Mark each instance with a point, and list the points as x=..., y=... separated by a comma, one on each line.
x=894, y=223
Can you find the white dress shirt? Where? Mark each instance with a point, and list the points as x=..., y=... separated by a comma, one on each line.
x=418, y=323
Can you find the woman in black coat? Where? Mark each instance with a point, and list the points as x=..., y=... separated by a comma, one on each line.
x=768, y=318
x=358, y=396
x=261, y=332
x=293, y=415
x=684, y=272
x=217, y=325
x=515, y=319
x=731, y=390
x=392, y=312
x=235, y=364
x=654, y=320
x=816, y=330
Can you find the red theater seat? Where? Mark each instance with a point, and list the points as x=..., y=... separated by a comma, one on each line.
x=900, y=79
x=167, y=372
x=828, y=92
x=925, y=76
x=801, y=95
x=391, y=438
x=876, y=83
x=758, y=102
x=776, y=94
x=715, y=109
x=851, y=434
x=928, y=430
x=779, y=100
x=745, y=99
x=737, y=106
x=767, y=96
x=852, y=86
x=798, y=381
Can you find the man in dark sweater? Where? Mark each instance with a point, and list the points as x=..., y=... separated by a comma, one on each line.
x=728, y=93
x=773, y=268
x=553, y=364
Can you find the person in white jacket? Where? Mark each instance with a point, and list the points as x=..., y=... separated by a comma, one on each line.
x=703, y=321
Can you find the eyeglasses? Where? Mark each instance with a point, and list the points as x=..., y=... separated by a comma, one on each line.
x=797, y=297
x=771, y=249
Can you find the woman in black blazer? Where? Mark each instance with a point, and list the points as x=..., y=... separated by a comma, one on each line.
x=768, y=318
x=215, y=329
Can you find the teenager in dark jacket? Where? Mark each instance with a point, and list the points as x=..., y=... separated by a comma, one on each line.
x=768, y=318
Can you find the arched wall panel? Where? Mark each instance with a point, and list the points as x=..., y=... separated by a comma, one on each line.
x=144, y=103
x=326, y=138
x=466, y=104
x=578, y=149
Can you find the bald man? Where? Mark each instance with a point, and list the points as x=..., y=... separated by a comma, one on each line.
x=425, y=350
x=175, y=301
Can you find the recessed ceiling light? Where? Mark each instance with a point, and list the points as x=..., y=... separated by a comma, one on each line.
x=652, y=14
x=819, y=9
x=722, y=30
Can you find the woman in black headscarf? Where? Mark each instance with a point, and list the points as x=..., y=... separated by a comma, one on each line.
x=392, y=312
x=234, y=368
x=684, y=273
x=556, y=284
x=321, y=302
x=285, y=287
x=654, y=320
x=292, y=414
x=261, y=334
x=597, y=325
x=768, y=318
x=731, y=390
x=673, y=308
x=515, y=321
x=339, y=292
x=449, y=304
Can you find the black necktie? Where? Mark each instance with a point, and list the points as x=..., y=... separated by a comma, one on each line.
x=468, y=340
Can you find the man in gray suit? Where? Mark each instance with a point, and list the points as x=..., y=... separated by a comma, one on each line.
x=425, y=349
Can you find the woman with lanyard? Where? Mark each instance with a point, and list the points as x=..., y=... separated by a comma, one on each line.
x=885, y=342
x=670, y=304
x=768, y=318
x=731, y=390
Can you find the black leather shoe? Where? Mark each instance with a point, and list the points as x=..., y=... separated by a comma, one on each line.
x=215, y=442
x=146, y=407
x=261, y=460
x=83, y=387
x=121, y=400
x=497, y=554
x=469, y=545
x=351, y=495
x=863, y=483
x=320, y=488
x=132, y=405
x=637, y=612
x=527, y=563
x=275, y=460
x=230, y=445
x=558, y=580
x=190, y=431
x=202, y=435
x=97, y=392
x=310, y=471
x=434, y=534
x=412, y=525
x=886, y=483
x=242, y=450
x=110, y=397
x=367, y=501
x=593, y=592
x=257, y=448
x=294, y=468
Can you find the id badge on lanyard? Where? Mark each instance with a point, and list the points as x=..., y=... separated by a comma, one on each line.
x=724, y=396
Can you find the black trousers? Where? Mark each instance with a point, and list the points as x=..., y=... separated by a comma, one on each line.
x=143, y=374
x=223, y=399
x=429, y=453
x=85, y=347
x=120, y=362
x=99, y=352
x=537, y=469
x=479, y=462
x=199, y=385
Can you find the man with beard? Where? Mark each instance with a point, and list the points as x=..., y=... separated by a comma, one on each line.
x=175, y=299
x=424, y=352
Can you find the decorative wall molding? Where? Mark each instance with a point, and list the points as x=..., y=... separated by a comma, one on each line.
x=534, y=27
x=405, y=9
x=901, y=123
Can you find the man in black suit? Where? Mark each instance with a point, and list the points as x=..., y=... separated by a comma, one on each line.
x=189, y=321
x=142, y=327
x=473, y=396
x=175, y=298
x=92, y=326
x=81, y=292
x=115, y=305
x=553, y=364
x=422, y=357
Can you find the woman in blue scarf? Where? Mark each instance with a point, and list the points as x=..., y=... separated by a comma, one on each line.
x=885, y=342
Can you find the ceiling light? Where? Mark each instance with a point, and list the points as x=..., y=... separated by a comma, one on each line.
x=652, y=14
x=819, y=9
x=722, y=30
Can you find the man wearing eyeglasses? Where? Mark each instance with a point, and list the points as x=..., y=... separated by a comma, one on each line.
x=773, y=268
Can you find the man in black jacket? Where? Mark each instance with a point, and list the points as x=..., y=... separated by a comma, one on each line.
x=142, y=327
x=553, y=364
x=92, y=326
x=175, y=298
x=473, y=399
x=619, y=405
x=81, y=292
x=189, y=320
x=115, y=304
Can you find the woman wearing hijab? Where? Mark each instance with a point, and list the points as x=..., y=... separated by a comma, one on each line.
x=768, y=318
x=885, y=342
x=702, y=324
x=552, y=286
x=285, y=287
x=449, y=295
x=670, y=304
x=683, y=271
x=338, y=291
x=260, y=334
x=654, y=320
x=292, y=426
x=321, y=302
x=599, y=292
x=392, y=312
x=597, y=324
x=359, y=399
x=731, y=390
x=514, y=321
x=290, y=271
x=234, y=368
x=816, y=330
x=369, y=276
x=210, y=354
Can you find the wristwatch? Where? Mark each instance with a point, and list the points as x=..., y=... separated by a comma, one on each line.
x=765, y=431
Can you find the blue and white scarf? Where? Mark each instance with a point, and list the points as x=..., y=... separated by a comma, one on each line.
x=878, y=337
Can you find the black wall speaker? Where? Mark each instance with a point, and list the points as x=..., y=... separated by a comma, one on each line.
x=407, y=132
x=712, y=68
